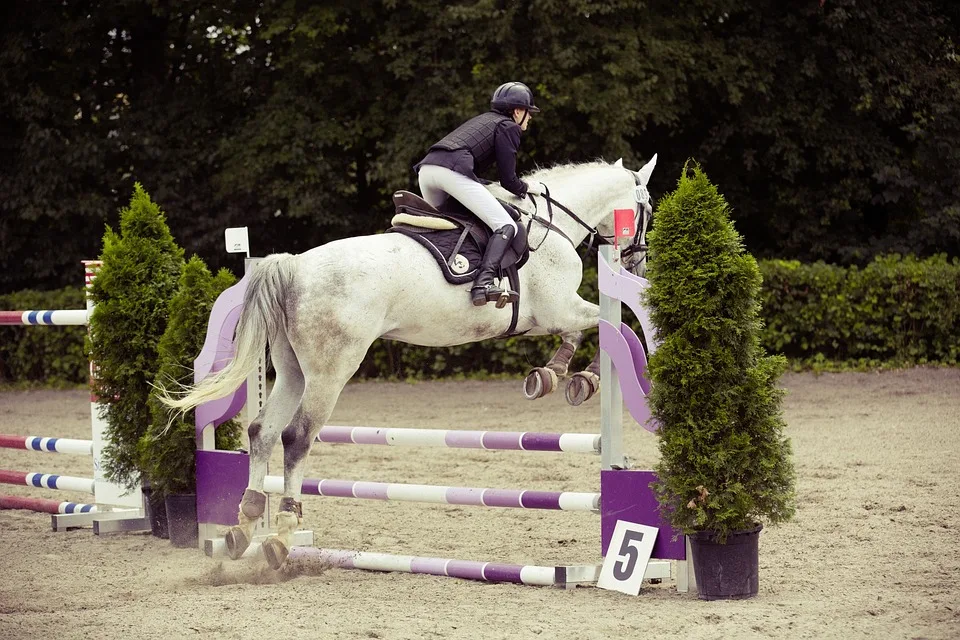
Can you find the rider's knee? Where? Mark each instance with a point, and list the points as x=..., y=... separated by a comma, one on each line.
x=507, y=230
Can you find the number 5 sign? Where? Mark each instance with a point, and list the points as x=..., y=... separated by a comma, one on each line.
x=627, y=557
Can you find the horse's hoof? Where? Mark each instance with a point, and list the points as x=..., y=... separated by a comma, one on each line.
x=539, y=382
x=275, y=552
x=237, y=542
x=581, y=388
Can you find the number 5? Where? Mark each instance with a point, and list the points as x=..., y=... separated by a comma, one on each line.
x=621, y=570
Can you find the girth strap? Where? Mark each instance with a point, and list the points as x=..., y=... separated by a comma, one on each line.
x=456, y=249
x=513, y=277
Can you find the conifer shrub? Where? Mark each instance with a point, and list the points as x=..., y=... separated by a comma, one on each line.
x=168, y=449
x=725, y=463
x=132, y=292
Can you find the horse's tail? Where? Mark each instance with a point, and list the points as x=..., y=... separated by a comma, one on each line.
x=263, y=317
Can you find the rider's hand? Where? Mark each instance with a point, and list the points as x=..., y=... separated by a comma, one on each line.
x=536, y=188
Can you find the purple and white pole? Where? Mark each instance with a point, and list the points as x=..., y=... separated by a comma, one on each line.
x=467, y=569
x=396, y=492
x=455, y=439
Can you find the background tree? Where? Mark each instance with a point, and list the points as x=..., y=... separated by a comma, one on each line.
x=834, y=127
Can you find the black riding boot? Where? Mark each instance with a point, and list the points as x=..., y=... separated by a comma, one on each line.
x=484, y=290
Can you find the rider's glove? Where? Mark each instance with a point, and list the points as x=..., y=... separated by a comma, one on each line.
x=536, y=188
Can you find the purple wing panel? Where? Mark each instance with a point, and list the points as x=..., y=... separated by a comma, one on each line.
x=619, y=349
x=217, y=351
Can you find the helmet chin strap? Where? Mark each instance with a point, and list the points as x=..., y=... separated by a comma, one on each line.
x=526, y=115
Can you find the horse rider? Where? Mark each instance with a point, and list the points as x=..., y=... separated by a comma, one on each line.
x=451, y=166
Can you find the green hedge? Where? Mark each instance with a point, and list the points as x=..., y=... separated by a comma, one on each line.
x=896, y=311
x=53, y=355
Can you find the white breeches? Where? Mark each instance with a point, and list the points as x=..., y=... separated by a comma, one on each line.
x=438, y=183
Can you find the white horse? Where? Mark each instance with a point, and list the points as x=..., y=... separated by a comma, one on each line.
x=321, y=310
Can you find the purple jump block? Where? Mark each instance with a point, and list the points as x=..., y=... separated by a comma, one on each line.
x=627, y=495
x=221, y=479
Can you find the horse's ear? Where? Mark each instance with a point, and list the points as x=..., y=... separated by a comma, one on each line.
x=647, y=170
x=619, y=163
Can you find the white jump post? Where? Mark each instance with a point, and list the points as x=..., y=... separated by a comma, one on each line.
x=114, y=508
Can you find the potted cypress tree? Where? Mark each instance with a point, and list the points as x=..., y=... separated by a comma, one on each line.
x=141, y=266
x=725, y=465
x=168, y=449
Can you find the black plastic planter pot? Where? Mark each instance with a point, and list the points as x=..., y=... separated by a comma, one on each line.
x=729, y=571
x=158, y=513
x=182, y=520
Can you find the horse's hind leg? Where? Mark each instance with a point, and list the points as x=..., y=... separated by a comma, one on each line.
x=543, y=380
x=298, y=437
x=337, y=364
x=263, y=433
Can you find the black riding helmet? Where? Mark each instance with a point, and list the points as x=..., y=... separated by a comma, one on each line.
x=513, y=95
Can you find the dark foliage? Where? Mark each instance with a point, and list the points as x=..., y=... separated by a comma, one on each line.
x=835, y=127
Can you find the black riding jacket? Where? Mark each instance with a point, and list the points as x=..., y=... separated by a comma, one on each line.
x=477, y=144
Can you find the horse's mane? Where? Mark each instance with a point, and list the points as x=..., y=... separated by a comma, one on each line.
x=551, y=175
x=561, y=171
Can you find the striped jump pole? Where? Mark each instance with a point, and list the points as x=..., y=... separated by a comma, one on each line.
x=42, y=505
x=58, y=317
x=560, y=576
x=494, y=440
x=566, y=576
x=47, y=480
x=126, y=511
x=396, y=492
x=48, y=445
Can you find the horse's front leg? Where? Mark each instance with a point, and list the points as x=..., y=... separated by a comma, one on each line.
x=583, y=384
x=542, y=381
x=574, y=317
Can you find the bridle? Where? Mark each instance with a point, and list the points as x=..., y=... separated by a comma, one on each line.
x=637, y=244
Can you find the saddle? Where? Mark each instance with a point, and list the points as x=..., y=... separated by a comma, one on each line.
x=457, y=239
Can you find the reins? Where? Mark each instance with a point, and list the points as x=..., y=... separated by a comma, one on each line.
x=592, y=233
